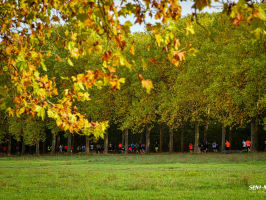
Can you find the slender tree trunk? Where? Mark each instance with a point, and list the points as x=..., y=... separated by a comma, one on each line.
x=69, y=143
x=9, y=145
x=53, y=143
x=206, y=128
x=126, y=140
x=182, y=139
x=161, y=138
x=171, y=140
x=38, y=148
x=106, y=143
x=254, y=135
x=148, y=140
x=223, y=138
x=87, y=144
x=22, y=147
x=44, y=147
x=142, y=140
x=58, y=142
x=17, y=149
x=123, y=138
x=73, y=144
x=230, y=137
x=196, y=145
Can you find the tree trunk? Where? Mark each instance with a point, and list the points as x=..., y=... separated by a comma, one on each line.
x=254, y=135
x=87, y=144
x=126, y=140
x=9, y=145
x=171, y=139
x=53, y=143
x=148, y=140
x=182, y=139
x=106, y=143
x=58, y=142
x=206, y=131
x=44, y=147
x=223, y=138
x=196, y=145
x=123, y=138
x=230, y=137
x=142, y=138
x=73, y=144
x=17, y=148
x=69, y=143
x=22, y=147
x=38, y=148
x=161, y=139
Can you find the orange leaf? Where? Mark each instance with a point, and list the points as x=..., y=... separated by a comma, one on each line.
x=149, y=47
x=132, y=50
x=140, y=77
x=153, y=60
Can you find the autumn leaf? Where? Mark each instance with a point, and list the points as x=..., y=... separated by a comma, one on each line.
x=147, y=84
x=132, y=49
x=144, y=64
x=148, y=47
x=69, y=61
x=107, y=56
x=153, y=60
x=74, y=36
x=176, y=44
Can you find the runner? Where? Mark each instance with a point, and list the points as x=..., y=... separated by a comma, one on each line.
x=214, y=147
x=244, y=145
x=227, y=145
x=190, y=146
x=248, y=145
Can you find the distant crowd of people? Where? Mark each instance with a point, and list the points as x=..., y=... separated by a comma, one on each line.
x=99, y=148
x=141, y=148
x=204, y=147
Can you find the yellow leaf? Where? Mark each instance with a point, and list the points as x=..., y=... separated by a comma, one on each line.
x=73, y=36
x=158, y=38
x=147, y=84
x=189, y=29
x=144, y=64
x=69, y=61
x=176, y=44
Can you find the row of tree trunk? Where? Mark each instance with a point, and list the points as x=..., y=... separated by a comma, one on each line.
x=254, y=139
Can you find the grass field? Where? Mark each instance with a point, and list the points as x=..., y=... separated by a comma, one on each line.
x=160, y=176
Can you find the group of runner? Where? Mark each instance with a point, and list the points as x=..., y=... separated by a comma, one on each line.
x=141, y=148
x=204, y=147
x=246, y=145
x=132, y=148
x=60, y=149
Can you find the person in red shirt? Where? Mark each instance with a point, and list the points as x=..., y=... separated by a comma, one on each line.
x=248, y=145
x=227, y=145
x=65, y=147
x=190, y=146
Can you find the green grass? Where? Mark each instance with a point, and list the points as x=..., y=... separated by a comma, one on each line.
x=160, y=176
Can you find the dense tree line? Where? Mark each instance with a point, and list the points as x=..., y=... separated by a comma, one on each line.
x=214, y=83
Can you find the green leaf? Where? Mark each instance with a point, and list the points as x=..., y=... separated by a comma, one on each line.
x=69, y=61
x=43, y=66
